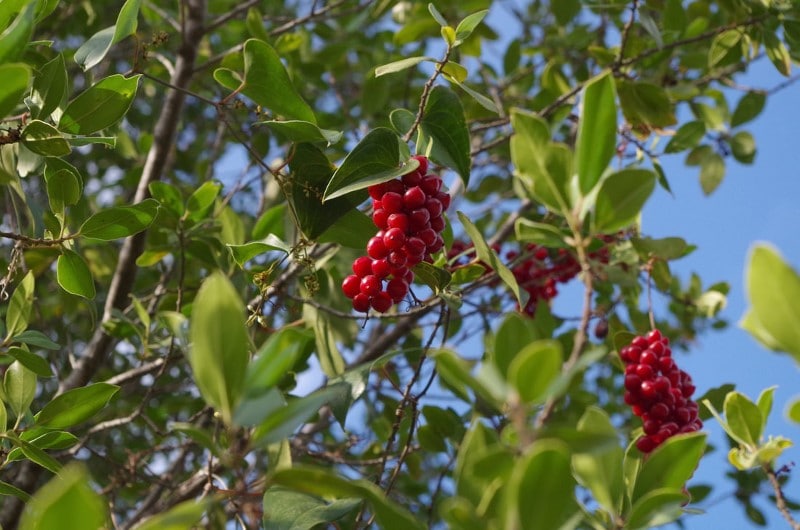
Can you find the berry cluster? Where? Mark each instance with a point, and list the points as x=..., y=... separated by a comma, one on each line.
x=658, y=391
x=408, y=213
x=539, y=269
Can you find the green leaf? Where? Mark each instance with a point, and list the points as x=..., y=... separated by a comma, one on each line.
x=712, y=171
x=67, y=497
x=375, y=159
x=19, y=308
x=120, y=221
x=743, y=147
x=777, y=53
x=542, y=489
x=100, y=106
x=75, y=406
x=686, y=137
x=456, y=373
x=202, y=200
x=16, y=78
x=44, y=139
x=444, y=128
x=600, y=471
x=402, y=120
x=267, y=83
x=543, y=234
x=35, y=338
x=764, y=404
x=487, y=255
x=744, y=419
x=73, y=275
x=667, y=248
x=95, y=49
x=436, y=15
x=19, y=387
x=621, y=198
x=220, y=345
x=352, y=230
x=276, y=358
x=468, y=25
x=534, y=368
x=434, y=277
x=725, y=49
x=748, y=108
x=167, y=196
x=245, y=252
x=597, y=131
x=670, y=465
x=657, y=508
x=180, y=517
x=36, y=455
x=302, y=131
x=49, y=87
x=197, y=434
x=773, y=288
x=515, y=332
x=31, y=361
x=11, y=490
x=284, y=421
x=3, y=417
x=484, y=102
x=323, y=483
x=402, y=64
x=289, y=510
x=793, y=410
x=14, y=39
x=64, y=184
x=645, y=104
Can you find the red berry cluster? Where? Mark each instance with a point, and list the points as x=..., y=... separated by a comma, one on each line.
x=408, y=213
x=540, y=269
x=658, y=391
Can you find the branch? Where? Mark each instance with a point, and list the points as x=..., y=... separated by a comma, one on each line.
x=780, y=499
x=426, y=91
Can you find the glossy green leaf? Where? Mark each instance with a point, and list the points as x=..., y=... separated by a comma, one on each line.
x=645, y=104
x=75, y=406
x=67, y=497
x=444, y=129
x=289, y=510
x=201, y=201
x=44, y=139
x=302, y=131
x=686, y=137
x=666, y=248
x=220, y=345
x=19, y=387
x=670, y=465
x=275, y=358
x=402, y=64
x=468, y=25
x=180, y=517
x=267, y=83
x=773, y=288
x=534, y=368
x=656, y=508
x=14, y=39
x=600, y=471
x=100, y=106
x=120, y=221
x=489, y=256
x=16, y=79
x=167, y=196
x=95, y=49
x=245, y=252
x=49, y=87
x=63, y=183
x=434, y=277
x=540, y=233
x=484, y=102
x=402, y=120
x=36, y=338
x=31, y=361
x=11, y=490
x=597, y=131
x=352, y=230
x=621, y=198
x=284, y=421
x=455, y=72
x=312, y=172
x=748, y=108
x=542, y=489
x=515, y=333
x=323, y=483
x=437, y=16
x=744, y=418
x=375, y=159
x=764, y=403
x=36, y=455
x=19, y=308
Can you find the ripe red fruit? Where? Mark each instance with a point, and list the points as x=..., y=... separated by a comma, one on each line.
x=392, y=202
x=418, y=219
x=414, y=198
x=370, y=285
x=381, y=268
x=376, y=248
x=380, y=218
x=444, y=198
x=415, y=246
x=376, y=191
x=381, y=302
x=412, y=179
x=434, y=207
x=428, y=236
x=397, y=289
x=394, y=238
x=397, y=220
x=362, y=266
x=437, y=223
x=361, y=302
x=541, y=253
x=431, y=185
x=397, y=258
x=423, y=164
x=350, y=286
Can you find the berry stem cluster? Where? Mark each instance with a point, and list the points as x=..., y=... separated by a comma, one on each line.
x=658, y=391
x=408, y=213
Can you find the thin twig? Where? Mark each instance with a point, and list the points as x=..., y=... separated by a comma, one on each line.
x=780, y=499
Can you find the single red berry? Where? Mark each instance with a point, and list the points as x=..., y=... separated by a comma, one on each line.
x=362, y=266
x=541, y=253
x=398, y=220
x=444, y=198
x=413, y=198
x=412, y=179
x=397, y=258
x=428, y=236
x=415, y=246
x=394, y=238
x=632, y=382
x=651, y=426
x=659, y=411
x=662, y=384
x=350, y=286
x=438, y=223
x=653, y=337
x=431, y=185
x=418, y=219
x=381, y=302
x=381, y=268
x=370, y=285
x=648, y=390
x=645, y=444
x=392, y=202
x=434, y=207
x=437, y=245
x=397, y=289
x=361, y=302
x=648, y=357
x=657, y=348
x=423, y=164
x=380, y=218
x=376, y=248
x=376, y=191
x=639, y=341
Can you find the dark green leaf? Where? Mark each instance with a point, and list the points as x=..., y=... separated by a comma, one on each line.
x=716, y=396
x=202, y=200
x=289, y=510
x=687, y=136
x=67, y=497
x=11, y=490
x=667, y=248
x=31, y=361
x=670, y=465
x=534, y=368
x=267, y=83
x=49, y=87
x=375, y=159
x=434, y=277
x=19, y=307
x=303, y=131
x=600, y=471
x=621, y=198
x=16, y=78
x=44, y=139
x=245, y=252
x=444, y=127
x=14, y=39
x=645, y=104
x=100, y=106
x=19, y=387
x=402, y=120
x=167, y=196
x=73, y=275
x=220, y=345
x=540, y=233
x=352, y=230
x=64, y=184
x=275, y=359
x=120, y=221
x=284, y=421
x=75, y=406
x=597, y=131
x=748, y=108
x=35, y=338
x=656, y=508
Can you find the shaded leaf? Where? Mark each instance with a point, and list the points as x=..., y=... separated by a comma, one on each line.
x=95, y=49
x=73, y=275
x=621, y=198
x=49, y=87
x=14, y=39
x=19, y=307
x=444, y=127
x=303, y=131
x=120, y=221
x=16, y=78
x=100, y=106
x=67, y=497
x=645, y=104
x=75, y=406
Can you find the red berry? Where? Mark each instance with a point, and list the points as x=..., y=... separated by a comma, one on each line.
x=350, y=286
x=662, y=384
x=418, y=219
x=413, y=198
x=423, y=164
x=541, y=254
x=362, y=266
x=431, y=185
x=412, y=179
x=659, y=411
x=394, y=238
x=415, y=246
x=370, y=285
x=397, y=289
x=376, y=191
x=397, y=258
x=361, y=302
x=651, y=426
x=395, y=186
x=381, y=268
x=381, y=302
x=645, y=444
x=428, y=236
x=633, y=382
x=434, y=207
x=376, y=248
x=437, y=245
x=437, y=223
x=444, y=198
x=398, y=220
x=648, y=357
x=380, y=218
x=653, y=337
x=645, y=371
x=392, y=202
x=648, y=389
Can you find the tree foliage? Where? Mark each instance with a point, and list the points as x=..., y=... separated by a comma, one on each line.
x=186, y=186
